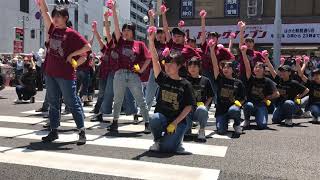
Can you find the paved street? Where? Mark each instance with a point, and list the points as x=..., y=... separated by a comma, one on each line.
x=277, y=153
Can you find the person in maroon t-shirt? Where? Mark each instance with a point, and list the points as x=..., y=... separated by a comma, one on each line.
x=134, y=58
x=253, y=56
x=65, y=45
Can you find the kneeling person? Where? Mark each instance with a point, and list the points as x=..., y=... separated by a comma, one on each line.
x=174, y=102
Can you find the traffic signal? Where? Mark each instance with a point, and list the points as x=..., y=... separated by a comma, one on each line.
x=62, y=2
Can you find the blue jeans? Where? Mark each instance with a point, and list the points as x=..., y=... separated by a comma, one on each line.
x=124, y=79
x=284, y=111
x=68, y=89
x=83, y=78
x=201, y=115
x=315, y=110
x=129, y=105
x=234, y=112
x=168, y=143
x=152, y=88
x=260, y=112
x=23, y=93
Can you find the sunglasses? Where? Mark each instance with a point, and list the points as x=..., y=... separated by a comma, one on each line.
x=226, y=64
x=197, y=63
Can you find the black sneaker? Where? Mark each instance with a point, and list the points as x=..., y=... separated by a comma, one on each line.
x=66, y=112
x=113, y=126
x=93, y=111
x=53, y=135
x=147, y=128
x=42, y=110
x=96, y=118
x=32, y=100
x=135, y=119
x=47, y=125
x=82, y=138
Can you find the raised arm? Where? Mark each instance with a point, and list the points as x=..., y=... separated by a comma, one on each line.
x=154, y=55
x=203, y=28
x=165, y=24
x=97, y=35
x=107, y=26
x=242, y=27
x=151, y=15
x=300, y=72
x=231, y=40
x=269, y=65
x=116, y=22
x=45, y=14
x=246, y=61
x=214, y=60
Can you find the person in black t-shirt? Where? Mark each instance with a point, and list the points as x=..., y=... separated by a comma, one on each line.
x=314, y=94
x=291, y=93
x=261, y=91
x=230, y=95
x=203, y=94
x=174, y=102
x=27, y=88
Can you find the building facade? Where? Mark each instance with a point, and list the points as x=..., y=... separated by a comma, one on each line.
x=300, y=19
x=21, y=13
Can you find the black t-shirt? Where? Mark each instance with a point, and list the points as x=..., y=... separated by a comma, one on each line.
x=202, y=88
x=29, y=80
x=314, y=93
x=288, y=89
x=259, y=88
x=229, y=90
x=174, y=96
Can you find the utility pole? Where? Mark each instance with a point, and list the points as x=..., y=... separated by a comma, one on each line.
x=277, y=34
x=23, y=29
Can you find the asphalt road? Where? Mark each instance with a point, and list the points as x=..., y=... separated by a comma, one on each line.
x=277, y=153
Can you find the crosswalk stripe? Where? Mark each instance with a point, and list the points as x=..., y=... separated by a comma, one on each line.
x=104, y=166
x=98, y=125
x=100, y=140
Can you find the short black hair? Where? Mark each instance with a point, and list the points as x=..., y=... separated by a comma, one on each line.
x=192, y=39
x=175, y=58
x=130, y=26
x=249, y=39
x=60, y=11
x=213, y=34
x=195, y=61
x=160, y=30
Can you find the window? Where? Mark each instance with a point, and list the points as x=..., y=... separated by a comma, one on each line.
x=252, y=8
x=33, y=34
x=24, y=6
x=134, y=5
x=133, y=15
x=86, y=18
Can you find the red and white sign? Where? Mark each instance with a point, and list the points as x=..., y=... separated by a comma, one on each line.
x=18, y=42
x=291, y=33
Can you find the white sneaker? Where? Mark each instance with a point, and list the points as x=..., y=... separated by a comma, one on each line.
x=238, y=129
x=307, y=114
x=245, y=123
x=18, y=101
x=288, y=122
x=155, y=146
x=202, y=135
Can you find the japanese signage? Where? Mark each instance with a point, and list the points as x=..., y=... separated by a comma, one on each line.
x=231, y=8
x=291, y=33
x=18, y=42
x=187, y=9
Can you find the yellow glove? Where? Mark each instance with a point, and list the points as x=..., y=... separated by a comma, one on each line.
x=171, y=128
x=268, y=102
x=136, y=68
x=298, y=101
x=237, y=103
x=74, y=63
x=200, y=104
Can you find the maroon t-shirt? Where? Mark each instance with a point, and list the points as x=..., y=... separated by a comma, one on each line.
x=253, y=56
x=62, y=43
x=109, y=60
x=131, y=53
x=86, y=66
x=221, y=54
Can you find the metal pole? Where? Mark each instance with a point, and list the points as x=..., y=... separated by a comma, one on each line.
x=24, y=36
x=277, y=34
x=41, y=33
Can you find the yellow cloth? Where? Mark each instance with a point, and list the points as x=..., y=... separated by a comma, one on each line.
x=200, y=104
x=163, y=62
x=237, y=103
x=74, y=63
x=268, y=102
x=298, y=101
x=136, y=68
x=171, y=128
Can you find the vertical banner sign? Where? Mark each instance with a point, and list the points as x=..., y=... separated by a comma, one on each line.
x=18, y=41
x=231, y=8
x=187, y=9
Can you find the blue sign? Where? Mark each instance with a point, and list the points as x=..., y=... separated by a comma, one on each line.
x=231, y=8
x=187, y=8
